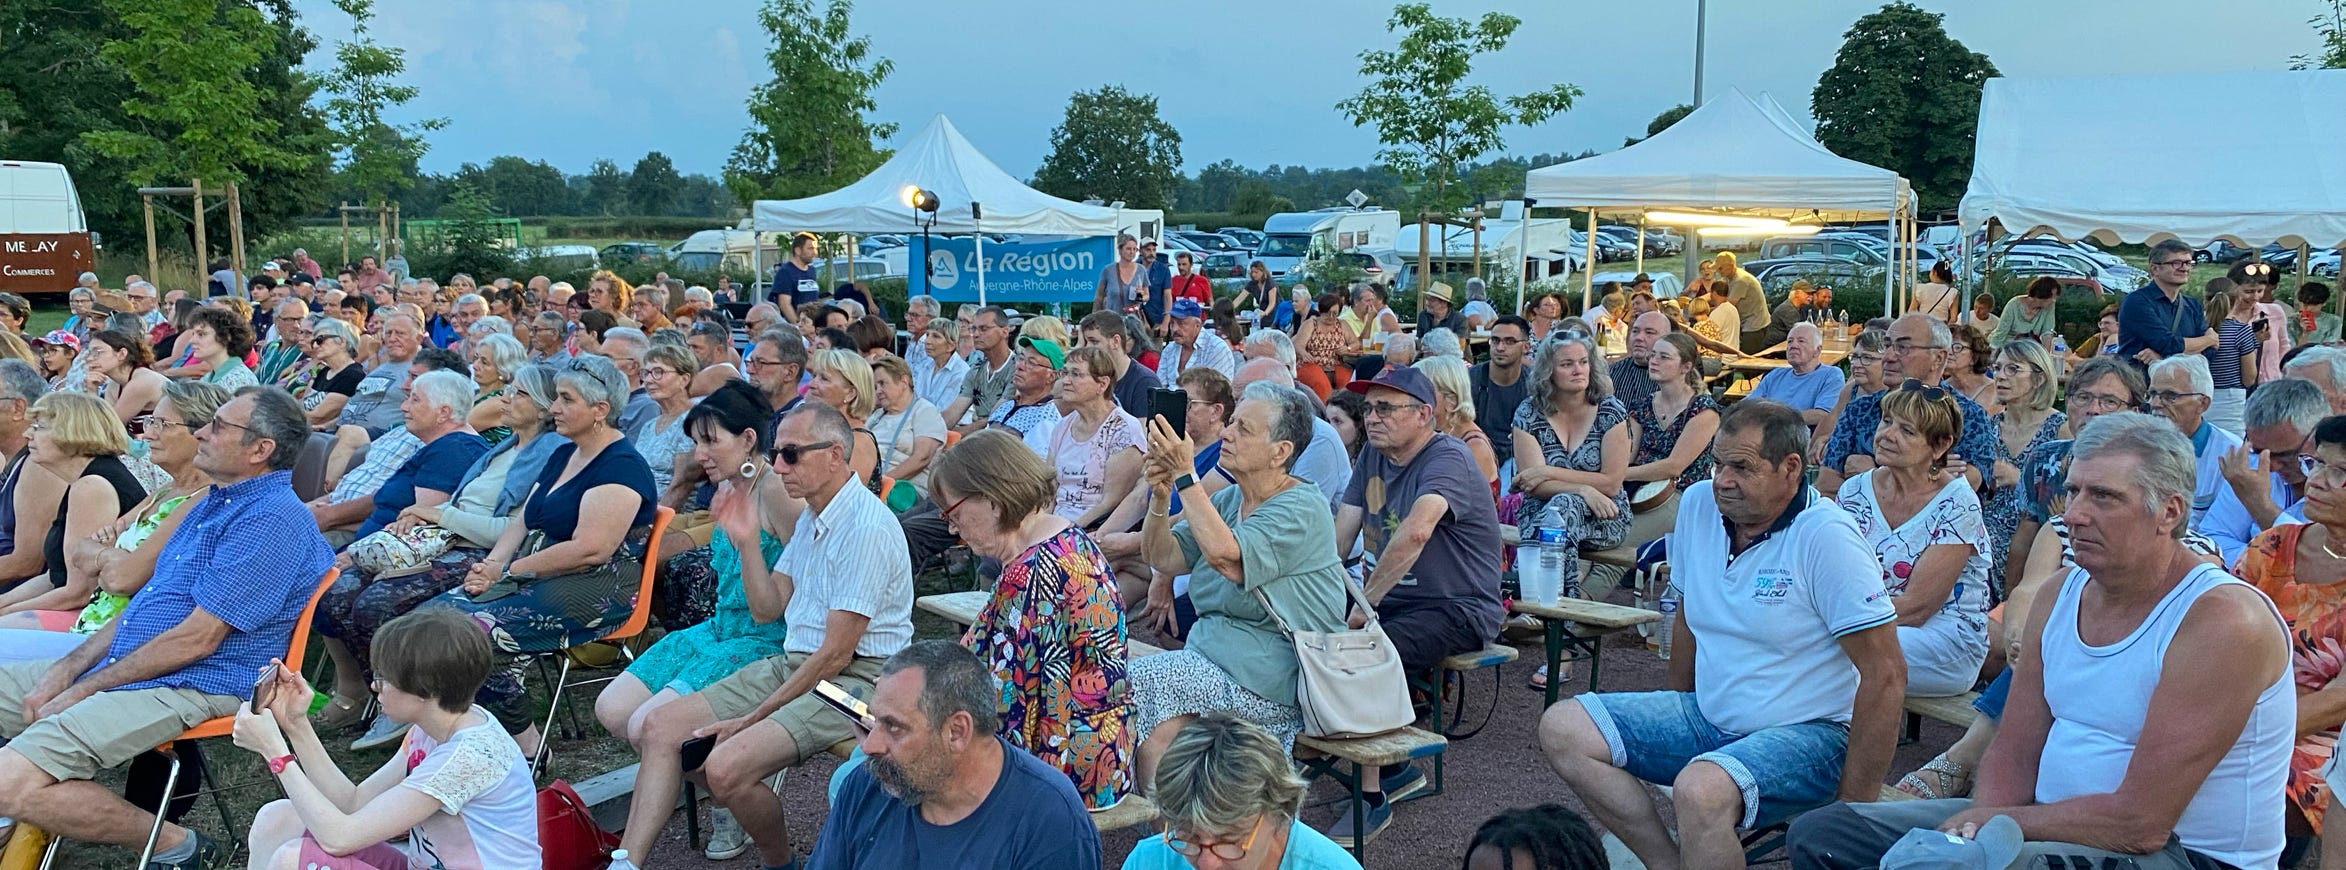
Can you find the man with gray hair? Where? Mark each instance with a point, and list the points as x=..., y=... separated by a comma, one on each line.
x=1805, y=385
x=1270, y=344
x=433, y=411
x=558, y=296
x=290, y=339
x=938, y=787
x=1917, y=352
x=918, y=311
x=649, y=307
x=2326, y=368
x=469, y=309
x=143, y=296
x=2190, y=749
x=625, y=345
x=2182, y=390
x=2265, y=476
x=549, y=338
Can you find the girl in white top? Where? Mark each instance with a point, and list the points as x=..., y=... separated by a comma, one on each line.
x=456, y=796
x=1097, y=448
x=1928, y=531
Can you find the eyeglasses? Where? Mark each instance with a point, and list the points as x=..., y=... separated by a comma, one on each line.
x=1865, y=359
x=223, y=421
x=1933, y=393
x=2185, y=263
x=762, y=362
x=651, y=372
x=2098, y=401
x=1388, y=409
x=1224, y=851
x=2014, y=370
x=150, y=421
x=1571, y=333
x=2169, y=397
x=2316, y=469
x=947, y=513
x=791, y=453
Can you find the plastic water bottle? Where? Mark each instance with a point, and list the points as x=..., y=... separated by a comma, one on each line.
x=2060, y=346
x=1543, y=575
x=619, y=861
x=1669, y=624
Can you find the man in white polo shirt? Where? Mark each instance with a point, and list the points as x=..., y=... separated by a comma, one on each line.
x=1787, y=671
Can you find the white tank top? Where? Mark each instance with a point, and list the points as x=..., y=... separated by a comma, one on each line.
x=2099, y=696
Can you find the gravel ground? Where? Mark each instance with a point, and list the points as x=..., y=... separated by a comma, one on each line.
x=1491, y=771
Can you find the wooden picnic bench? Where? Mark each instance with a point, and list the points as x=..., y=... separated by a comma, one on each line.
x=1328, y=757
x=1580, y=625
x=1954, y=710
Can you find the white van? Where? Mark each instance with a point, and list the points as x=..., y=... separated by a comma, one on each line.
x=732, y=251
x=44, y=237
x=1289, y=237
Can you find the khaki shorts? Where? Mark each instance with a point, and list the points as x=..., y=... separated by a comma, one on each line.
x=103, y=731
x=812, y=724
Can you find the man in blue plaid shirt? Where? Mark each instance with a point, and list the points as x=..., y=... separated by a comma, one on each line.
x=228, y=586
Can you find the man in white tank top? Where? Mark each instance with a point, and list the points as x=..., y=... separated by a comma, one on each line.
x=2125, y=738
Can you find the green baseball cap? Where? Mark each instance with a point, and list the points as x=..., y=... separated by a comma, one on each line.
x=1048, y=348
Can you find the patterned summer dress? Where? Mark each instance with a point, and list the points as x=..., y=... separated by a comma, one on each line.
x=1054, y=633
x=730, y=639
x=2317, y=641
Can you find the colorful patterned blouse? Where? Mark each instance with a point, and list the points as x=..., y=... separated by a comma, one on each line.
x=1054, y=634
x=2317, y=641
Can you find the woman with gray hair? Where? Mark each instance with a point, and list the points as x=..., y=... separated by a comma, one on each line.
x=1572, y=452
x=1268, y=539
x=2024, y=382
x=334, y=373
x=495, y=359
x=567, y=572
x=1226, y=788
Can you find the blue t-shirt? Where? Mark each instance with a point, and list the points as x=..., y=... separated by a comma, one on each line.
x=1816, y=391
x=439, y=466
x=1307, y=849
x=799, y=282
x=1853, y=435
x=1032, y=819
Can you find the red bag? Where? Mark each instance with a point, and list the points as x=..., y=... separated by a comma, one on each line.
x=567, y=833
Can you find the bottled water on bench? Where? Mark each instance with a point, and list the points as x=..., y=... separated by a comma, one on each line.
x=1669, y=624
x=1542, y=575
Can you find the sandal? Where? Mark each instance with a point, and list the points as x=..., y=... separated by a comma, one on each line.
x=1952, y=780
x=342, y=713
x=1539, y=678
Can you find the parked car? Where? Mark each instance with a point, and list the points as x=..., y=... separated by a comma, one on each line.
x=1666, y=284
x=1227, y=269
x=1776, y=276
x=2220, y=251
x=866, y=269
x=631, y=253
x=1211, y=243
x=1250, y=239
x=1611, y=248
x=871, y=244
x=564, y=257
x=1656, y=244
x=2324, y=262
x=2071, y=269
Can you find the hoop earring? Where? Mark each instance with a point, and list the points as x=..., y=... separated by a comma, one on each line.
x=749, y=468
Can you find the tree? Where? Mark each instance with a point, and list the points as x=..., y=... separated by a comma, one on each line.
x=516, y=186
x=1112, y=146
x=809, y=127
x=606, y=189
x=187, y=61
x=378, y=157
x=2331, y=27
x=1216, y=185
x=1429, y=120
x=469, y=241
x=1904, y=96
x=653, y=186
x=1661, y=122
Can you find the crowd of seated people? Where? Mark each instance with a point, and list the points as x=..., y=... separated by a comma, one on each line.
x=481, y=466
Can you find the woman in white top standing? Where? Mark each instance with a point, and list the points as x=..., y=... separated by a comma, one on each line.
x=1096, y=452
x=1938, y=297
x=457, y=795
x=910, y=430
x=1927, y=528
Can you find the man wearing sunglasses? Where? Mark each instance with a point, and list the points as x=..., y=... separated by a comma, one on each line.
x=278, y=357
x=1917, y=353
x=2165, y=322
x=2265, y=477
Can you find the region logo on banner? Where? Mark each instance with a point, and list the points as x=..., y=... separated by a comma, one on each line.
x=1067, y=270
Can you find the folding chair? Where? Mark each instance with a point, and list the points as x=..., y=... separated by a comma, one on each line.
x=295, y=651
x=639, y=617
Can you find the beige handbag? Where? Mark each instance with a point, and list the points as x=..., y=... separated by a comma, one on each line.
x=1350, y=683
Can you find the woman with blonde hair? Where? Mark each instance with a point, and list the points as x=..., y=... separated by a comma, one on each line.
x=1225, y=787
x=843, y=380
x=1097, y=448
x=1048, y=328
x=1926, y=527
x=609, y=293
x=2025, y=390
x=911, y=430
x=1454, y=412
x=1573, y=446
x=938, y=365
x=76, y=438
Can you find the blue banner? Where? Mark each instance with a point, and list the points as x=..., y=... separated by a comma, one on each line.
x=1061, y=271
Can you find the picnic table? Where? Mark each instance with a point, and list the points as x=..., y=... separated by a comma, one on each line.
x=1581, y=625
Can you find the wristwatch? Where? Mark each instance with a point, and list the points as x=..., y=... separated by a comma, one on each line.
x=277, y=765
x=1183, y=482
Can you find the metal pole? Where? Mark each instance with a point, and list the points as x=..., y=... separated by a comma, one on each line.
x=1641, y=243
x=1588, y=266
x=345, y=235
x=235, y=230
x=197, y=184
x=154, y=272
x=979, y=235
x=1701, y=13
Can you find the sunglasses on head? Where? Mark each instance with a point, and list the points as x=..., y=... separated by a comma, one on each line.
x=789, y=454
x=1935, y=394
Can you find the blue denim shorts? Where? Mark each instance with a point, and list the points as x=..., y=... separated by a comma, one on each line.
x=1990, y=702
x=1783, y=771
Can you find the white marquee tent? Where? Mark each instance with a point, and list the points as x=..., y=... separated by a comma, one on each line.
x=1736, y=155
x=2107, y=157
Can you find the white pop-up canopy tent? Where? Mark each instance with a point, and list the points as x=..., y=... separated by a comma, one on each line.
x=974, y=197
x=2266, y=166
x=1734, y=156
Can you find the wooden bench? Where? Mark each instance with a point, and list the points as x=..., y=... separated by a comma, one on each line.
x=962, y=608
x=1490, y=656
x=1327, y=756
x=1581, y=625
x=1954, y=710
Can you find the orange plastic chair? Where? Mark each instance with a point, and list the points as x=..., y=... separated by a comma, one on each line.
x=637, y=620
x=296, y=649
x=951, y=438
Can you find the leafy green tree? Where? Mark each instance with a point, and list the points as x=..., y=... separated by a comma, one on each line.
x=810, y=130
x=516, y=186
x=1112, y=146
x=378, y=157
x=1903, y=95
x=468, y=242
x=1431, y=122
x=192, y=112
x=1216, y=185
x=1257, y=198
x=605, y=191
x=2330, y=25
x=1661, y=122
x=653, y=187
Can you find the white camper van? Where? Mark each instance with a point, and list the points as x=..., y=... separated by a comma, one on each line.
x=734, y=251
x=1289, y=237
x=44, y=238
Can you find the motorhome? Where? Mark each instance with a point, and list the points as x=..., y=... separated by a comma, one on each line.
x=732, y=251
x=45, y=240
x=1289, y=237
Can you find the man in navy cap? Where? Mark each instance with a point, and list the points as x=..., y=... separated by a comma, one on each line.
x=1192, y=345
x=1431, y=533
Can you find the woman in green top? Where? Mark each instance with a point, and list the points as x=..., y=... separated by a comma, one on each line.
x=122, y=556
x=1267, y=537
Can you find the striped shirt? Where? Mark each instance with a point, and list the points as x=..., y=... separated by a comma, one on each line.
x=850, y=557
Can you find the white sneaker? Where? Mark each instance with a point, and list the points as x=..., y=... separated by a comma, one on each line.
x=383, y=732
x=726, y=840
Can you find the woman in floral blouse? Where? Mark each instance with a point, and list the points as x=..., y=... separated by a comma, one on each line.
x=2295, y=566
x=1053, y=631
